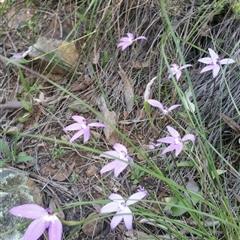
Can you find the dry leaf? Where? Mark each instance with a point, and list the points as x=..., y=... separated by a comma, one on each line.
x=147, y=92
x=192, y=186
x=96, y=55
x=231, y=123
x=141, y=65
x=111, y=118
x=127, y=90
x=64, y=172
x=83, y=85
x=91, y=171
x=52, y=205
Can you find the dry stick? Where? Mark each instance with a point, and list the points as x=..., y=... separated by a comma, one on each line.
x=11, y=105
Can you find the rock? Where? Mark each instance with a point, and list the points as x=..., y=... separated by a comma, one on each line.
x=15, y=189
x=54, y=55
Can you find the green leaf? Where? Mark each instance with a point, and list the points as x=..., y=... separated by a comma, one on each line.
x=148, y=110
x=186, y=164
x=25, y=84
x=187, y=102
x=105, y=59
x=23, y=118
x=23, y=157
x=6, y=149
x=27, y=106
x=180, y=207
x=3, y=163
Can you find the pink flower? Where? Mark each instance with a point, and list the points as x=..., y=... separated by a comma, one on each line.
x=117, y=165
x=127, y=41
x=20, y=55
x=214, y=62
x=176, y=70
x=44, y=219
x=152, y=145
x=175, y=141
x=121, y=207
x=83, y=128
x=164, y=110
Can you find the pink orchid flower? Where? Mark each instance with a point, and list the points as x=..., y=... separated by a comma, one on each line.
x=177, y=70
x=127, y=41
x=153, y=145
x=164, y=110
x=117, y=165
x=121, y=208
x=214, y=63
x=44, y=219
x=83, y=128
x=175, y=141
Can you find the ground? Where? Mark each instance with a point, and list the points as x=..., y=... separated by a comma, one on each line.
x=80, y=71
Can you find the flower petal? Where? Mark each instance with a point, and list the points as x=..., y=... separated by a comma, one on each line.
x=185, y=66
x=110, y=166
x=206, y=60
x=110, y=154
x=178, y=148
x=120, y=148
x=173, y=132
x=128, y=218
x=155, y=103
x=173, y=107
x=55, y=229
x=109, y=207
x=213, y=55
x=166, y=140
x=124, y=45
x=216, y=70
x=116, y=220
x=35, y=229
x=136, y=197
x=119, y=168
x=72, y=127
x=77, y=135
x=140, y=37
x=116, y=198
x=86, y=134
x=130, y=35
x=170, y=148
x=32, y=211
x=78, y=119
x=125, y=40
x=178, y=75
x=187, y=137
x=226, y=61
x=207, y=68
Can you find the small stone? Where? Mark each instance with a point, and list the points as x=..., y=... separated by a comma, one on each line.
x=91, y=171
